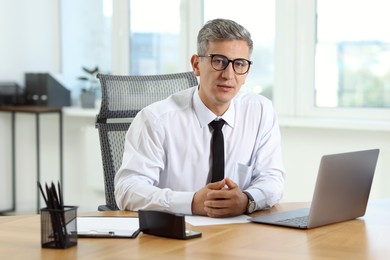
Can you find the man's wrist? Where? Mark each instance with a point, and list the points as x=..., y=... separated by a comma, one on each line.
x=251, y=206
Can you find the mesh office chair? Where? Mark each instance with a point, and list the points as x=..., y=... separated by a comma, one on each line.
x=122, y=98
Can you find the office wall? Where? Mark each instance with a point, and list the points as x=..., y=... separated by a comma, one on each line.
x=302, y=147
x=29, y=38
x=302, y=151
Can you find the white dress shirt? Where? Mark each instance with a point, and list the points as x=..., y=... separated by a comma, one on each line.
x=167, y=152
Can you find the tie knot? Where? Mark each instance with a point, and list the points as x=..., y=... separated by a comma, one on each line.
x=217, y=124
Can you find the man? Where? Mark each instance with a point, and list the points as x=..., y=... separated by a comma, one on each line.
x=167, y=162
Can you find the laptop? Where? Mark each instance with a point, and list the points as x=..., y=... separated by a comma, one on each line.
x=341, y=193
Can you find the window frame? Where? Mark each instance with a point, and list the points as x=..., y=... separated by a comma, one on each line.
x=295, y=33
x=191, y=21
x=294, y=88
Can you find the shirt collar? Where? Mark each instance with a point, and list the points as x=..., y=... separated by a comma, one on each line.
x=205, y=115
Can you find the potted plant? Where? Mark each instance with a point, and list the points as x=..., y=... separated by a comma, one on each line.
x=91, y=85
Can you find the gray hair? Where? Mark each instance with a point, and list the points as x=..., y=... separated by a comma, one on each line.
x=222, y=29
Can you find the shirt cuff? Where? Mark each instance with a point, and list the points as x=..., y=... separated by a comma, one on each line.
x=259, y=198
x=182, y=202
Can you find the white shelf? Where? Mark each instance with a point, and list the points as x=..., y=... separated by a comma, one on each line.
x=80, y=112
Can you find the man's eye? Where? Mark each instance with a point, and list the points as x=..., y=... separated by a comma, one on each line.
x=239, y=64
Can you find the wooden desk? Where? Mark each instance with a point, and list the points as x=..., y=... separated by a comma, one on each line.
x=365, y=238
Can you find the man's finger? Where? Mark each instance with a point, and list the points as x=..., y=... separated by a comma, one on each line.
x=216, y=185
x=230, y=184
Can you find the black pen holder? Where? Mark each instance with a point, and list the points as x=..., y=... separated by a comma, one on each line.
x=59, y=227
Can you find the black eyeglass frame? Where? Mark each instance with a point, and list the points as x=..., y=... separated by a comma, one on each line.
x=228, y=61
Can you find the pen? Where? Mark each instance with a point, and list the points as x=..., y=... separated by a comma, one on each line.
x=43, y=194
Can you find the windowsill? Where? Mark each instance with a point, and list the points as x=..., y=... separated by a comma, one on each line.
x=334, y=123
x=296, y=122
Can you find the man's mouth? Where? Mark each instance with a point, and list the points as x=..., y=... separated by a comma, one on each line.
x=225, y=86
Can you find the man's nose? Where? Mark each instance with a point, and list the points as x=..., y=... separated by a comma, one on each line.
x=228, y=72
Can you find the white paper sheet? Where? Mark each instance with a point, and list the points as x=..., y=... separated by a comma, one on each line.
x=205, y=221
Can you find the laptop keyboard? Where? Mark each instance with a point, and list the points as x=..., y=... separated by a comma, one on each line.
x=298, y=221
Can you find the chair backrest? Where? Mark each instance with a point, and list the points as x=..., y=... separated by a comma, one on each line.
x=122, y=98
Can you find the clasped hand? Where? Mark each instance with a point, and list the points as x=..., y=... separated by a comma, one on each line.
x=220, y=199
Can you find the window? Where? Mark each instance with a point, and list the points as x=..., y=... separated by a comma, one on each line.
x=352, y=62
x=313, y=58
x=86, y=29
x=261, y=24
x=331, y=60
x=155, y=37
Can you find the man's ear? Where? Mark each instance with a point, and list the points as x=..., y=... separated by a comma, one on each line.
x=195, y=64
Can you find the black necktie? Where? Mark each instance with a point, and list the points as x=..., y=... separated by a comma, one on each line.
x=217, y=151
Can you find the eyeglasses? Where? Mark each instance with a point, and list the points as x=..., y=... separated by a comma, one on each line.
x=221, y=62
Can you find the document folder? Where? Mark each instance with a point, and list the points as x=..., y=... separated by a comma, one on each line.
x=105, y=227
